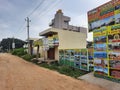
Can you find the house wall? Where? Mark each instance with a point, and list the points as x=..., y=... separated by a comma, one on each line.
x=56, y=53
x=71, y=40
x=68, y=40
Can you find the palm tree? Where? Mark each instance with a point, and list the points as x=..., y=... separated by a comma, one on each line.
x=37, y=44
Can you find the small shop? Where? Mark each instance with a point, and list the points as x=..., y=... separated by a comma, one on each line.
x=56, y=39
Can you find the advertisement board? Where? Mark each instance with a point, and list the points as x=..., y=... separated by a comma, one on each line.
x=101, y=70
x=84, y=64
x=55, y=40
x=77, y=58
x=90, y=58
x=67, y=56
x=61, y=56
x=106, y=38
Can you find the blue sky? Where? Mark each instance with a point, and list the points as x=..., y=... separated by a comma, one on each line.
x=14, y=12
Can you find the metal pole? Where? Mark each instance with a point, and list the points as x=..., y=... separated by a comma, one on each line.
x=28, y=38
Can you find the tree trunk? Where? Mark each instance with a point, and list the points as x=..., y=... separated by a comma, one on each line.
x=37, y=56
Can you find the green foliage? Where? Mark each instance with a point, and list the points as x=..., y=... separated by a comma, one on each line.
x=22, y=53
x=69, y=71
x=27, y=57
x=38, y=42
x=19, y=52
x=6, y=43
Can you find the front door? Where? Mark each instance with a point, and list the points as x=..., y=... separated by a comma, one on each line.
x=51, y=53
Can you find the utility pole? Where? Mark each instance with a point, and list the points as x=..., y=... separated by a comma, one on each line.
x=13, y=44
x=9, y=47
x=28, y=38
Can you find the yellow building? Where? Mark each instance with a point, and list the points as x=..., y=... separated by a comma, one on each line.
x=56, y=39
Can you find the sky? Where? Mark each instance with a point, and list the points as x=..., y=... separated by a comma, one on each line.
x=41, y=12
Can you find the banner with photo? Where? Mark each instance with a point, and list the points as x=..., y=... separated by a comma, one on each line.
x=72, y=52
x=100, y=47
x=101, y=62
x=117, y=6
x=114, y=33
x=67, y=56
x=115, y=73
x=84, y=64
x=114, y=55
x=101, y=16
x=56, y=40
x=77, y=56
x=104, y=21
x=61, y=56
x=90, y=58
x=50, y=41
x=101, y=70
x=115, y=64
x=114, y=46
x=100, y=32
x=107, y=10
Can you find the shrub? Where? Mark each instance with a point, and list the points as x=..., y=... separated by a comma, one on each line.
x=19, y=52
x=64, y=69
x=27, y=57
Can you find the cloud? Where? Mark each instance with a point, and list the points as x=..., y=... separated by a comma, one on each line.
x=13, y=13
x=3, y=26
x=5, y=5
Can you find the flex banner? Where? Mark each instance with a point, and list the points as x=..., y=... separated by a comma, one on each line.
x=77, y=58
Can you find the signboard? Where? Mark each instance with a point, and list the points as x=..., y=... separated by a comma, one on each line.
x=104, y=21
x=102, y=16
x=77, y=58
x=55, y=40
x=90, y=58
x=84, y=64
x=61, y=56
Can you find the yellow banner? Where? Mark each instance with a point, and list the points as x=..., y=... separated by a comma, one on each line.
x=115, y=29
x=100, y=32
x=117, y=11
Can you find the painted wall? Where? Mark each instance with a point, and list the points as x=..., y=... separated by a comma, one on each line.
x=56, y=53
x=104, y=21
x=67, y=40
x=70, y=39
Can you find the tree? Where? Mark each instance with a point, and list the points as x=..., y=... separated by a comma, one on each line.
x=37, y=44
x=6, y=43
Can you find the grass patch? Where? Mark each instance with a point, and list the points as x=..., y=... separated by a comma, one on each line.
x=19, y=52
x=27, y=57
x=69, y=71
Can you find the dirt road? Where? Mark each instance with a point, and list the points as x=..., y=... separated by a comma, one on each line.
x=17, y=74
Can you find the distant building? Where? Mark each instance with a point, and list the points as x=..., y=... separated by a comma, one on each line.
x=62, y=22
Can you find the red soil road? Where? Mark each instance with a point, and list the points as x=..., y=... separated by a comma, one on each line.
x=17, y=74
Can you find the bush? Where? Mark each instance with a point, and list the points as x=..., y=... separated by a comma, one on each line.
x=27, y=57
x=64, y=69
x=19, y=52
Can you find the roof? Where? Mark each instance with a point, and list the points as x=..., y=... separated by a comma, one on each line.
x=48, y=32
x=34, y=39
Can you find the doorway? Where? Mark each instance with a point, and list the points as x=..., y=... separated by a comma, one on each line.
x=51, y=53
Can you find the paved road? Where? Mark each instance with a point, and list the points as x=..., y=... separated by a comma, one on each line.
x=17, y=74
x=101, y=82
